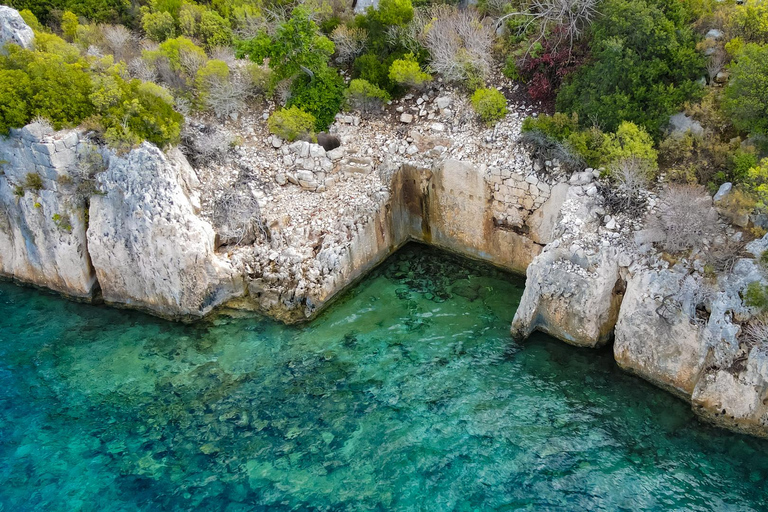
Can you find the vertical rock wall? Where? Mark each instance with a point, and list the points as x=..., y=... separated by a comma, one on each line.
x=42, y=213
x=149, y=248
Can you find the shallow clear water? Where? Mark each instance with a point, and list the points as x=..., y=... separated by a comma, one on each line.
x=408, y=394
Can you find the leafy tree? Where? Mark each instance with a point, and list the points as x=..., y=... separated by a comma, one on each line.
x=298, y=46
x=750, y=21
x=644, y=66
x=14, y=97
x=406, y=71
x=320, y=95
x=363, y=95
x=394, y=12
x=746, y=96
x=490, y=105
x=69, y=25
x=158, y=26
x=291, y=123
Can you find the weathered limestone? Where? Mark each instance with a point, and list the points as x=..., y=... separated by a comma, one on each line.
x=13, y=30
x=42, y=216
x=149, y=248
x=682, y=334
x=656, y=339
x=574, y=299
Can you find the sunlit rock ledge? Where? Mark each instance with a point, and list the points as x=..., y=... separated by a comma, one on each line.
x=144, y=230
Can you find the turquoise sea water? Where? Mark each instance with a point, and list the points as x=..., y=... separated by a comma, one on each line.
x=408, y=394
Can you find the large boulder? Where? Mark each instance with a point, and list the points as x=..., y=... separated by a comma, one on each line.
x=149, y=247
x=13, y=30
x=573, y=297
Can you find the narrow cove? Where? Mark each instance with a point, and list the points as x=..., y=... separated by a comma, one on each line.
x=407, y=394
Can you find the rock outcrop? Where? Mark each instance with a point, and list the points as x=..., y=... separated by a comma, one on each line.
x=13, y=30
x=571, y=298
x=148, y=246
x=42, y=212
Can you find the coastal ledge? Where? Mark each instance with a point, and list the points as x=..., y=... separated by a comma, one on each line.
x=142, y=231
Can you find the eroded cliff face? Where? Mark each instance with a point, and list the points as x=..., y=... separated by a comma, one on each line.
x=133, y=227
x=43, y=213
x=149, y=248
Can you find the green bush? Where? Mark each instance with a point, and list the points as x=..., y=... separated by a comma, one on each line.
x=644, y=66
x=69, y=25
x=143, y=112
x=103, y=11
x=320, y=95
x=629, y=141
x=490, y=105
x=14, y=99
x=214, y=71
x=746, y=95
x=375, y=70
x=158, y=26
x=173, y=50
x=363, y=95
x=55, y=89
x=291, y=123
x=750, y=21
x=407, y=72
x=298, y=46
x=395, y=12
x=558, y=126
x=756, y=296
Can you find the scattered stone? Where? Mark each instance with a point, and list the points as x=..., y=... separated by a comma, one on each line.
x=406, y=118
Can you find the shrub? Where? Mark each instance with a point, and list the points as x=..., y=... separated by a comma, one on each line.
x=14, y=107
x=297, y=46
x=558, y=126
x=750, y=21
x=459, y=44
x=56, y=89
x=158, y=26
x=211, y=75
x=546, y=148
x=629, y=141
x=589, y=145
x=756, y=296
x=407, y=72
x=33, y=181
x=320, y=95
x=490, y=105
x=686, y=217
x=69, y=25
x=394, y=12
x=371, y=68
x=757, y=182
x=643, y=66
x=364, y=96
x=745, y=96
x=349, y=42
x=291, y=123
x=213, y=30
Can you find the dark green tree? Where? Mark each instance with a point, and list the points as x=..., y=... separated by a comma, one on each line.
x=644, y=66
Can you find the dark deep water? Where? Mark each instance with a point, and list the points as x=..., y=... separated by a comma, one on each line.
x=408, y=394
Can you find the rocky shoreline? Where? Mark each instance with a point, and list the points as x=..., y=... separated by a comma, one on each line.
x=140, y=230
